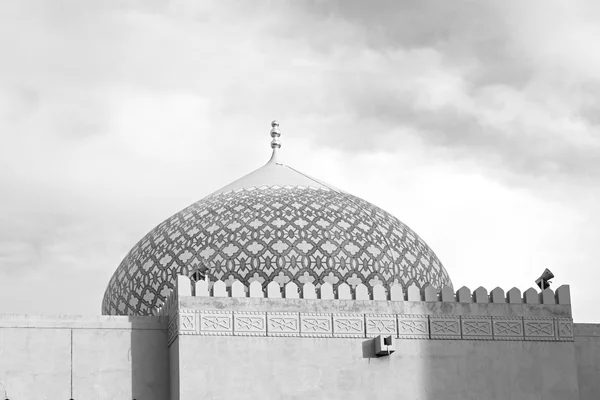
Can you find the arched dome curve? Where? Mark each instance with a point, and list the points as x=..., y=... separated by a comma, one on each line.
x=275, y=224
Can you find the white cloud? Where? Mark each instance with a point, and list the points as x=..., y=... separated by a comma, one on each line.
x=474, y=124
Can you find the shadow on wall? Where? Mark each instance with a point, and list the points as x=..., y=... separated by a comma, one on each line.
x=368, y=349
x=149, y=359
x=496, y=369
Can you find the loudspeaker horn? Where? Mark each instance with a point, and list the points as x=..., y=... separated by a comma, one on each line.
x=544, y=281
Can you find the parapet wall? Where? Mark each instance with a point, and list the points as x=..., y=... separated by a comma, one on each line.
x=215, y=309
x=378, y=292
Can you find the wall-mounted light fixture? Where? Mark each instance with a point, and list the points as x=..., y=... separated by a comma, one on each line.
x=384, y=346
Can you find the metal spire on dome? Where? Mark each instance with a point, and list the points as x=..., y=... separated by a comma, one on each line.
x=275, y=143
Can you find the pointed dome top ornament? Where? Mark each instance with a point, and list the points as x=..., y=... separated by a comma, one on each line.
x=275, y=142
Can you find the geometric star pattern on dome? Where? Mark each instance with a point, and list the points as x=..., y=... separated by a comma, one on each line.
x=283, y=234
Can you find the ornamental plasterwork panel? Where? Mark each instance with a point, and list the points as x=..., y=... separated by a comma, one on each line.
x=290, y=234
x=216, y=323
x=508, y=328
x=539, y=328
x=476, y=327
x=564, y=327
x=248, y=323
x=380, y=324
x=188, y=323
x=446, y=327
x=316, y=325
x=348, y=325
x=413, y=326
x=283, y=324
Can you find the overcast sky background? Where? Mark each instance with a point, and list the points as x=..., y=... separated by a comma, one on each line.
x=475, y=123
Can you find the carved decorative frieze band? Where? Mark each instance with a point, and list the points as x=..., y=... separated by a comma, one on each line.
x=508, y=328
x=444, y=327
x=316, y=325
x=349, y=325
x=413, y=326
x=564, y=329
x=539, y=329
x=188, y=323
x=341, y=325
x=283, y=324
x=381, y=324
x=216, y=323
x=249, y=323
x=475, y=327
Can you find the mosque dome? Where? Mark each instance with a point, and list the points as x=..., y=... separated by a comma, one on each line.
x=274, y=224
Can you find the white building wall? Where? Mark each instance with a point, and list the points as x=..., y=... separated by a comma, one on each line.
x=99, y=358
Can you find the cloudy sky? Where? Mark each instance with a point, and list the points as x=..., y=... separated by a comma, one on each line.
x=476, y=123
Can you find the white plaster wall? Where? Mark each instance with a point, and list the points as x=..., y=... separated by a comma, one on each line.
x=35, y=363
x=587, y=345
x=120, y=364
x=217, y=367
x=111, y=358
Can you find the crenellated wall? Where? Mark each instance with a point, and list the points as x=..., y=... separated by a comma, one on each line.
x=378, y=292
x=289, y=342
x=416, y=314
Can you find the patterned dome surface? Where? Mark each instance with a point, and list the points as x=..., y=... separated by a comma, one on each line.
x=275, y=224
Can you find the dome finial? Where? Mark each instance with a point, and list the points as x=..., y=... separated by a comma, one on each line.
x=275, y=143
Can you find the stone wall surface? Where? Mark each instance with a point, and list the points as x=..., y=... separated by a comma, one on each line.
x=587, y=348
x=100, y=358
